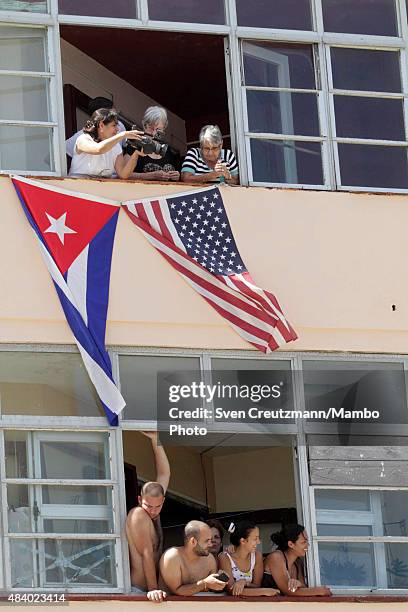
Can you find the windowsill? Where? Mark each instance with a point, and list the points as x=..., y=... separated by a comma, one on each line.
x=230, y=598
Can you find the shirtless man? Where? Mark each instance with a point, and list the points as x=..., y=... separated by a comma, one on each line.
x=143, y=528
x=190, y=569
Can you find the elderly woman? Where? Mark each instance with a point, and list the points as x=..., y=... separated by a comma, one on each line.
x=217, y=535
x=210, y=163
x=152, y=167
x=97, y=151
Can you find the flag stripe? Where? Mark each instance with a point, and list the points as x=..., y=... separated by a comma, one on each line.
x=76, y=278
x=209, y=282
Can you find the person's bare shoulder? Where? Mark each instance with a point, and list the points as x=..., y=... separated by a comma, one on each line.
x=275, y=558
x=172, y=553
x=137, y=517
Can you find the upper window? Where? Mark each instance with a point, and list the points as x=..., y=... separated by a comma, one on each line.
x=368, y=117
x=31, y=6
x=191, y=11
x=126, y=9
x=26, y=126
x=362, y=17
x=288, y=14
x=283, y=127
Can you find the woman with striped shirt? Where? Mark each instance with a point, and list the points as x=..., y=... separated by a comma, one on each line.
x=210, y=163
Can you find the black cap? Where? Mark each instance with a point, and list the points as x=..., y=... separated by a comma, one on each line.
x=99, y=102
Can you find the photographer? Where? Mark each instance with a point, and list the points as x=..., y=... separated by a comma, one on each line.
x=97, y=151
x=154, y=166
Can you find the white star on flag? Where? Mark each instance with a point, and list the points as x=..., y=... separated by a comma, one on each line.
x=58, y=227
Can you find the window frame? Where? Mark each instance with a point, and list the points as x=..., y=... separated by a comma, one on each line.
x=378, y=551
x=79, y=426
x=115, y=537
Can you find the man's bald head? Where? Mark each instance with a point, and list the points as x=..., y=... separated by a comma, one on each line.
x=152, y=489
x=197, y=535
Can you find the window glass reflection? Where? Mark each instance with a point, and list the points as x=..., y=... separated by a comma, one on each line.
x=268, y=64
x=347, y=564
x=366, y=69
x=22, y=49
x=373, y=166
x=359, y=118
x=288, y=14
x=125, y=9
x=283, y=113
x=362, y=17
x=286, y=161
x=23, y=98
x=188, y=11
x=30, y=6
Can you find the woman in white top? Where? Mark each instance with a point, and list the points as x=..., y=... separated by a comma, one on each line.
x=244, y=566
x=97, y=151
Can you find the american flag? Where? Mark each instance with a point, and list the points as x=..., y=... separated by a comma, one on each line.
x=192, y=231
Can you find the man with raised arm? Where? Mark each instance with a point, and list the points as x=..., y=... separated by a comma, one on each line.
x=191, y=569
x=143, y=528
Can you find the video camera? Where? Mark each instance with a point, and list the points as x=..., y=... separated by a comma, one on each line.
x=149, y=144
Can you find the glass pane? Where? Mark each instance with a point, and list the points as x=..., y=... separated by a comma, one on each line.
x=282, y=112
x=366, y=69
x=373, y=166
x=126, y=9
x=286, y=161
x=47, y=563
x=76, y=526
x=25, y=148
x=189, y=11
x=253, y=375
x=288, y=14
x=268, y=64
x=84, y=495
x=31, y=6
x=76, y=459
x=326, y=529
x=347, y=564
x=23, y=98
x=22, y=49
x=18, y=463
x=362, y=17
x=89, y=509
x=355, y=386
x=139, y=382
x=396, y=559
x=394, y=511
x=375, y=118
x=339, y=499
x=46, y=383
x=19, y=509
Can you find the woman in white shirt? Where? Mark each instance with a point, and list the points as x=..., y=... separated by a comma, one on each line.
x=97, y=151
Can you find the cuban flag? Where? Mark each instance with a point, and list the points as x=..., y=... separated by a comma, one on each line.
x=76, y=234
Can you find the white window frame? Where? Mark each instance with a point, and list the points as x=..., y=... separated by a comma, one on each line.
x=82, y=426
x=357, y=518
x=115, y=537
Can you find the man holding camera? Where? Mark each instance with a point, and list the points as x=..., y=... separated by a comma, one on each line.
x=156, y=162
x=191, y=569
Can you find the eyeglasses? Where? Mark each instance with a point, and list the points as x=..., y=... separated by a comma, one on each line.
x=209, y=149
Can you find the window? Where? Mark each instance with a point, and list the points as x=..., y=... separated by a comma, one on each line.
x=360, y=97
x=46, y=384
x=60, y=530
x=32, y=6
x=26, y=124
x=125, y=9
x=288, y=14
x=362, y=537
x=191, y=11
x=283, y=134
x=363, y=17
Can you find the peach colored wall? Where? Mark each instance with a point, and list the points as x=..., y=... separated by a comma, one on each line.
x=336, y=261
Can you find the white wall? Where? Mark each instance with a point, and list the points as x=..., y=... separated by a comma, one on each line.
x=93, y=79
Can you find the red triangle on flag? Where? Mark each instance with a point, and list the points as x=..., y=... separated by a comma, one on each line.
x=67, y=222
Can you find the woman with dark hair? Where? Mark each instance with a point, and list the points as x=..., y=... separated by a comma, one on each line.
x=97, y=151
x=217, y=534
x=244, y=566
x=283, y=568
